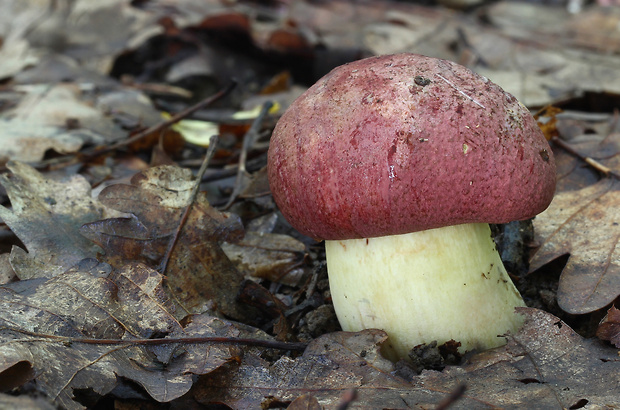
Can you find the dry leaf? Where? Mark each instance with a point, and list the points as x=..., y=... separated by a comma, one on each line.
x=573, y=174
x=330, y=365
x=275, y=257
x=46, y=216
x=305, y=402
x=91, y=33
x=609, y=328
x=41, y=120
x=25, y=403
x=48, y=325
x=583, y=223
x=596, y=28
x=15, y=52
x=545, y=365
x=200, y=276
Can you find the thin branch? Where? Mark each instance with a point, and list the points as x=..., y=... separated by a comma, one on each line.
x=590, y=161
x=270, y=344
x=452, y=398
x=173, y=241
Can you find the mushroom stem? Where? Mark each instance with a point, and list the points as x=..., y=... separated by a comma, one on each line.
x=439, y=284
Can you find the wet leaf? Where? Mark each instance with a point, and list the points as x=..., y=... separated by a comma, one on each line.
x=545, y=365
x=69, y=329
x=200, y=275
x=46, y=216
x=584, y=223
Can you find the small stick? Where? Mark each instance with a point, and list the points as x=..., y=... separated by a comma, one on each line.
x=173, y=241
x=590, y=161
x=248, y=141
x=270, y=344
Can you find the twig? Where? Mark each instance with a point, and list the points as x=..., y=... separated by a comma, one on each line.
x=248, y=141
x=164, y=89
x=590, y=161
x=69, y=160
x=452, y=398
x=270, y=344
x=174, y=119
x=347, y=399
x=173, y=241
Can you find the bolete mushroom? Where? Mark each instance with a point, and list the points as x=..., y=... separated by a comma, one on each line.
x=399, y=163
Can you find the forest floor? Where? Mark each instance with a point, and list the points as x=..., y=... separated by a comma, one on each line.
x=144, y=263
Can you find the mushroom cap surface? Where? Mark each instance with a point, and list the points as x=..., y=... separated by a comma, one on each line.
x=403, y=143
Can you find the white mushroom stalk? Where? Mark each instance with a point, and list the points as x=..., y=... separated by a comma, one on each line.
x=435, y=285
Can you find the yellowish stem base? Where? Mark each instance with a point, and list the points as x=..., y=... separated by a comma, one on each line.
x=439, y=284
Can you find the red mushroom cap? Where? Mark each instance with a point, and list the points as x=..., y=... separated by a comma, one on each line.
x=403, y=143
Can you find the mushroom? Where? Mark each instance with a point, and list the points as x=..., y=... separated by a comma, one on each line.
x=399, y=163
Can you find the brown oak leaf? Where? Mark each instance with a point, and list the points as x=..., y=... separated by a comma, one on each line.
x=199, y=274
x=586, y=224
x=86, y=329
x=46, y=215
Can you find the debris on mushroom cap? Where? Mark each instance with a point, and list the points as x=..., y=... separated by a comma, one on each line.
x=403, y=143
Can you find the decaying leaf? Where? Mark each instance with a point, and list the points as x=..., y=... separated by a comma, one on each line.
x=25, y=402
x=583, y=221
x=46, y=216
x=331, y=365
x=82, y=330
x=49, y=318
x=41, y=119
x=305, y=402
x=572, y=172
x=545, y=365
x=609, y=328
x=255, y=185
x=591, y=278
x=267, y=255
x=200, y=276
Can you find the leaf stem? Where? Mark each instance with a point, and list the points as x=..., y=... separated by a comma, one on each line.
x=590, y=161
x=270, y=344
